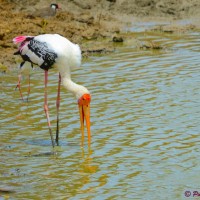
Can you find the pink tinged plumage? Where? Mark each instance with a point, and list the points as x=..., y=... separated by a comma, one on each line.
x=19, y=39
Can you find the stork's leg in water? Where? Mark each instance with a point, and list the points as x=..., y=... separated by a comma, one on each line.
x=19, y=86
x=29, y=83
x=57, y=109
x=19, y=80
x=46, y=109
x=29, y=88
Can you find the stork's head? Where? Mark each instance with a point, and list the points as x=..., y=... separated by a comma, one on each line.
x=84, y=111
x=83, y=99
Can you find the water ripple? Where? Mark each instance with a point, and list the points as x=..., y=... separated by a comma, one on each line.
x=145, y=128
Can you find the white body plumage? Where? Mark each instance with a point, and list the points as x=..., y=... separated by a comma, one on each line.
x=68, y=55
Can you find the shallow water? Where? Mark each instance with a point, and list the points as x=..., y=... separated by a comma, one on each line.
x=145, y=114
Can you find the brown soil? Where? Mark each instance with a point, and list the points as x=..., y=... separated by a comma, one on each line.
x=81, y=21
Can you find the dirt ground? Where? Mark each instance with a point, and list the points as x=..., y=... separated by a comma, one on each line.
x=81, y=21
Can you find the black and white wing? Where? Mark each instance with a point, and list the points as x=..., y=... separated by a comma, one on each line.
x=38, y=53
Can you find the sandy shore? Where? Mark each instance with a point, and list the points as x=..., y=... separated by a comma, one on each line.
x=84, y=21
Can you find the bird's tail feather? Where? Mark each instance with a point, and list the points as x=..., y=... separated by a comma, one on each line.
x=20, y=39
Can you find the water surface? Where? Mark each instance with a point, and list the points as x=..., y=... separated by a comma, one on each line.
x=145, y=115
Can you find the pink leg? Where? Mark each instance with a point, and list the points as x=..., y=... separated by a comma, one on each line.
x=29, y=88
x=19, y=86
x=57, y=109
x=46, y=107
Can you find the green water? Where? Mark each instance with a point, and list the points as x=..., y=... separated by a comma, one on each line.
x=145, y=115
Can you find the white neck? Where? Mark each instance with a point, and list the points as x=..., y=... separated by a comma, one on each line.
x=77, y=90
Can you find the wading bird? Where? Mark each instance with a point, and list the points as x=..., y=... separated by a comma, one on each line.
x=46, y=11
x=53, y=50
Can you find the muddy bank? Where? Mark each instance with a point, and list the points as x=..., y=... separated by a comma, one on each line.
x=82, y=21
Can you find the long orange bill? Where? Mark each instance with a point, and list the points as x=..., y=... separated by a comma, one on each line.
x=84, y=111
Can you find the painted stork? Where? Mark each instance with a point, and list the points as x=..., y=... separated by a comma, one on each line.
x=53, y=50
